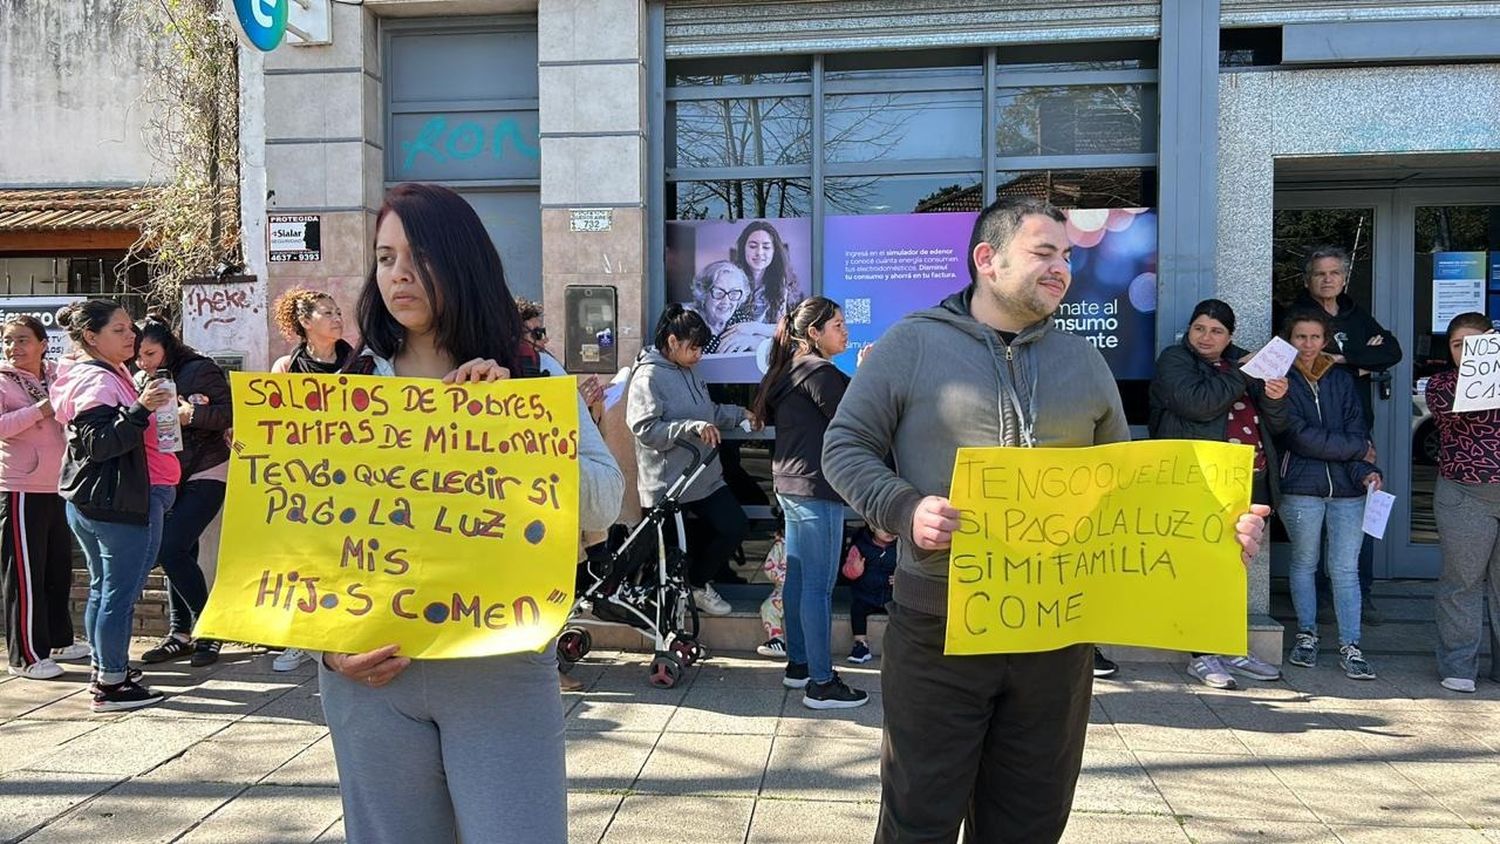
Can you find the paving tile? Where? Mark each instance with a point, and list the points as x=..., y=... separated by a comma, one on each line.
x=607, y=761
x=127, y=747
x=1236, y=830
x=301, y=705
x=1353, y=791
x=862, y=722
x=25, y=741
x=243, y=753
x=314, y=766
x=1145, y=706
x=226, y=697
x=333, y=834
x=270, y=813
x=29, y=799
x=22, y=696
x=818, y=768
x=1089, y=828
x=1406, y=835
x=721, y=711
x=1222, y=787
x=688, y=763
x=139, y=811
x=794, y=822
x=1432, y=736
x=1191, y=728
x=1472, y=791
x=1292, y=732
x=680, y=820
x=1116, y=783
x=625, y=712
x=589, y=815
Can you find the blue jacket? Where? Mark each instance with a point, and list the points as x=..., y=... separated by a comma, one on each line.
x=1325, y=442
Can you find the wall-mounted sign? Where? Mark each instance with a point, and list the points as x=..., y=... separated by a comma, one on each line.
x=45, y=309
x=1457, y=286
x=295, y=237
x=261, y=23
x=591, y=219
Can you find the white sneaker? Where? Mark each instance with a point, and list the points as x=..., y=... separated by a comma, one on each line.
x=42, y=669
x=76, y=652
x=710, y=601
x=1211, y=671
x=289, y=659
x=1458, y=684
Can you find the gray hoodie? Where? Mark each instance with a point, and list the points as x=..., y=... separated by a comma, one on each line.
x=666, y=403
x=940, y=380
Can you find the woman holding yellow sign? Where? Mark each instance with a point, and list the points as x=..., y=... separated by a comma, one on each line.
x=1199, y=393
x=419, y=743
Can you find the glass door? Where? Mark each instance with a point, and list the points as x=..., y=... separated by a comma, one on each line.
x=1453, y=267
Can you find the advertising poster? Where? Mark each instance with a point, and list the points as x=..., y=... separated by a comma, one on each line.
x=1457, y=286
x=881, y=268
x=740, y=277
x=45, y=309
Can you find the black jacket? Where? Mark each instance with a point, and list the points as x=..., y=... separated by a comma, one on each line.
x=801, y=404
x=203, y=445
x=104, y=469
x=1350, y=335
x=1326, y=439
x=1191, y=400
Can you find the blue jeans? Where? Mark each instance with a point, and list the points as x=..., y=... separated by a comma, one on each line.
x=1305, y=517
x=191, y=513
x=814, y=537
x=119, y=557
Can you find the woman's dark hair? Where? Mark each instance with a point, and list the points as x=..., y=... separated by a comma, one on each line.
x=473, y=312
x=779, y=281
x=684, y=324
x=1306, y=315
x=1214, y=309
x=30, y=322
x=87, y=315
x=791, y=337
x=1471, y=319
x=157, y=328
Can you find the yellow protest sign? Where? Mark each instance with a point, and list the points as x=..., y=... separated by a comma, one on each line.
x=366, y=511
x=1129, y=544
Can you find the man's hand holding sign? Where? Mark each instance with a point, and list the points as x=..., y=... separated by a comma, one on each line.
x=384, y=519
x=1137, y=543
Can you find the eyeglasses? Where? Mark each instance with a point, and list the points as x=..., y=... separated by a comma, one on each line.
x=538, y=333
x=720, y=294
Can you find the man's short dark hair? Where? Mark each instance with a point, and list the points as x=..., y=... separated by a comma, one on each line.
x=1000, y=221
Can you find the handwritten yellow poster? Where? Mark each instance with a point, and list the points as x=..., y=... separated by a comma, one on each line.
x=366, y=511
x=1127, y=544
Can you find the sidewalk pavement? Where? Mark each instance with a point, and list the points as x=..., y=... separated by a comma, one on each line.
x=240, y=754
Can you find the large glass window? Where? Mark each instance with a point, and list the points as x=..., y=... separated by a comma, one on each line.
x=903, y=126
x=1075, y=120
x=748, y=132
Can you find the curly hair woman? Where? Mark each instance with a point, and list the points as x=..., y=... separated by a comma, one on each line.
x=312, y=320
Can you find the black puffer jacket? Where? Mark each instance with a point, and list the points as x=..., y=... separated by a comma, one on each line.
x=1326, y=439
x=203, y=383
x=1191, y=399
x=1349, y=335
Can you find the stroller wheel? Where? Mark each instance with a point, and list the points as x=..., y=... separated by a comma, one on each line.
x=665, y=671
x=689, y=652
x=574, y=644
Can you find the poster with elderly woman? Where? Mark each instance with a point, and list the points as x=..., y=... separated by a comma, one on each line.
x=740, y=277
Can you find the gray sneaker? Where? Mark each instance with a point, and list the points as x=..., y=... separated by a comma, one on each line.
x=1353, y=663
x=1305, y=650
x=1251, y=666
x=1208, y=669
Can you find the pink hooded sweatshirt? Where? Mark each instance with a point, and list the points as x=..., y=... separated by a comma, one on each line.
x=82, y=386
x=31, y=446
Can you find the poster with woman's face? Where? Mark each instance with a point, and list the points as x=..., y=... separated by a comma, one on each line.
x=740, y=277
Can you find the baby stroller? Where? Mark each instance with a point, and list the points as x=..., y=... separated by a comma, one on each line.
x=638, y=580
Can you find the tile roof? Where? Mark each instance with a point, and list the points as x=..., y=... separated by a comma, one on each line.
x=52, y=209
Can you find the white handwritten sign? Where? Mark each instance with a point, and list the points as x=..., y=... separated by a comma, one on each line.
x=1274, y=360
x=1479, y=374
x=1378, y=506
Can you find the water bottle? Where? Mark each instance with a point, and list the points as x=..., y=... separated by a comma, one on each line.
x=168, y=426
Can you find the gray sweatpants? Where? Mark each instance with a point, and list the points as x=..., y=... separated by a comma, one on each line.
x=1468, y=521
x=455, y=749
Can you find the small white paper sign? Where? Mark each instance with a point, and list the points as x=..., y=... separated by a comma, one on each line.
x=1378, y=506
x=1479, y=374
x=1274, y=360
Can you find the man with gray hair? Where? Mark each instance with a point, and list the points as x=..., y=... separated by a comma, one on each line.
x=993, y=743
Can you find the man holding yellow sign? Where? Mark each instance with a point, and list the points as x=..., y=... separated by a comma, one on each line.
x=993, y=741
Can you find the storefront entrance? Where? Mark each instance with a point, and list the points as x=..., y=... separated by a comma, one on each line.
x=1420, y=255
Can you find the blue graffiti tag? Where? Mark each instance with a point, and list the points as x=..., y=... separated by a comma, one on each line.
x=466, y=140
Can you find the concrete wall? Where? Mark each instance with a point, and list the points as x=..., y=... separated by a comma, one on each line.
x=70, y=84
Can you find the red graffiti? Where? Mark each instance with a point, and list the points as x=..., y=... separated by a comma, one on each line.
x=221, y=305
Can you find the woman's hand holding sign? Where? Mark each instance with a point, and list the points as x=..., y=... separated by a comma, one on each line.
x=1249, y=531
x=373, y=668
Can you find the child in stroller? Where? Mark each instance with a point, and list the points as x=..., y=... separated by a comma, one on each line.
x=636, y=578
